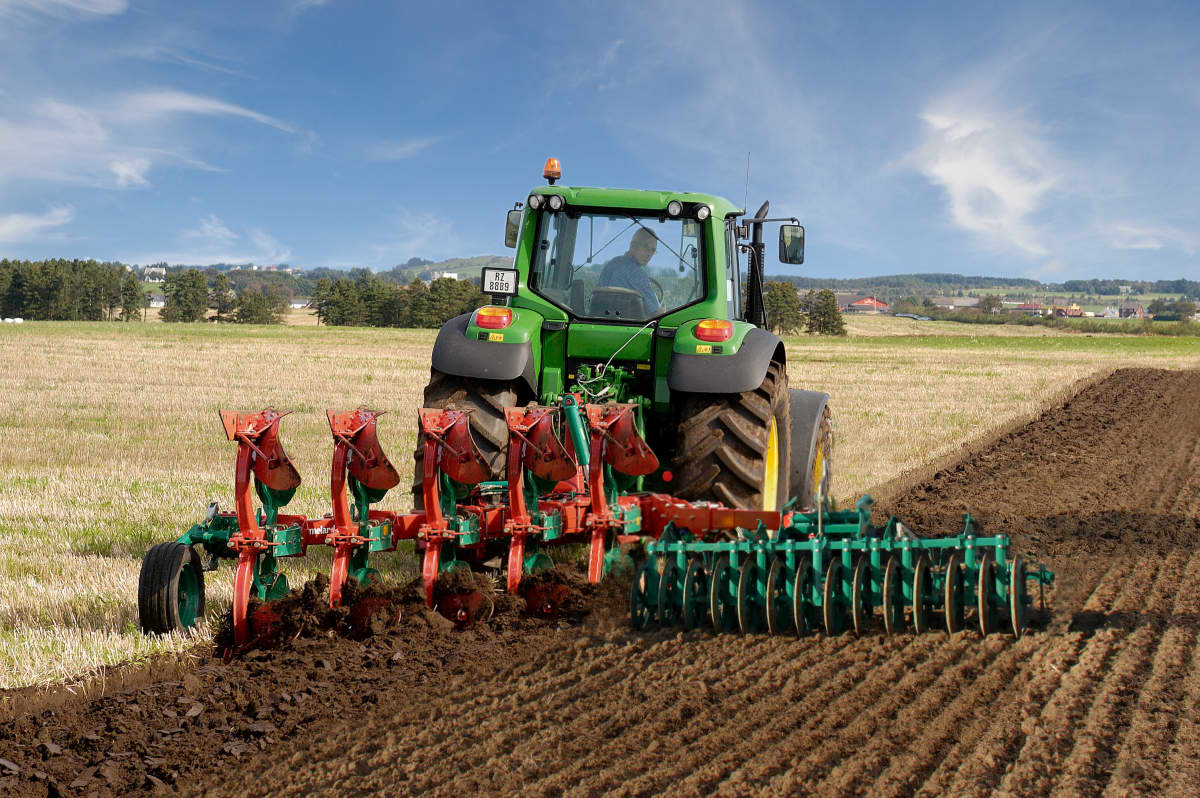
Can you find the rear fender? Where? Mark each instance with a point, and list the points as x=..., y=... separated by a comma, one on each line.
x=739, y=364
x=464, y=350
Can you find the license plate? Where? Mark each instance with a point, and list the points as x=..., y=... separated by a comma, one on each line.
x=500, y=281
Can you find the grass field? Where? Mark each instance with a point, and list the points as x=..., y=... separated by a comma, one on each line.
x=113, y=441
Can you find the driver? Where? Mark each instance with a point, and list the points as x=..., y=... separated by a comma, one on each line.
x=629, y=270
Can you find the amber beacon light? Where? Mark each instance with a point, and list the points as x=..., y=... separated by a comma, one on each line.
x=553, y=170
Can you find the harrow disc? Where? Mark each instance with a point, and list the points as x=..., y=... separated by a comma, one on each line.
x=643, y=596
x=722, y=604
x=952, y=599
x=860, y=603
x=749, y=605
x=802, y=599
x=922, y=592
x=695, y=594
x=985, y=590
x=833, y=606
x=670, y=602
x=893, y=598
x=1018, y=607
x=777, y=604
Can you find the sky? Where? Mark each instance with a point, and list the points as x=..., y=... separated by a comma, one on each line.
x=1044, y=140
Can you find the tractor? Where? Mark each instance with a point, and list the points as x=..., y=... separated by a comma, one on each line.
x=653, y=298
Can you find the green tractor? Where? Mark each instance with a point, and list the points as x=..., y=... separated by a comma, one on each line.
x=653, y=298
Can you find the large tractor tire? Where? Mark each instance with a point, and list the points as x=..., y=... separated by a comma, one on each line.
x=736, y=448
x=486, y=399
x=170, y=589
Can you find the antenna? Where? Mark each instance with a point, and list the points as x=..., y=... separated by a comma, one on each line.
x=746, y=201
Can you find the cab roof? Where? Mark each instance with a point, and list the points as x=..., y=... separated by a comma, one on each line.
x=637, y=199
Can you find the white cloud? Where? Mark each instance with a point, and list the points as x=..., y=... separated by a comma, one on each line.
x=1128, y=235
x=398, y=150
x=996, y=171
x=131, y=173
x=151, y=104
x=212, y=242
x=111, y=143
x=23, y=227
x=212, y=229
x=176, y=55
x=300, y=6
x=65, y=8
x=425, y=235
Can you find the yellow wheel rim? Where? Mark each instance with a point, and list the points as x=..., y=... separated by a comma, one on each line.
x=770, y=489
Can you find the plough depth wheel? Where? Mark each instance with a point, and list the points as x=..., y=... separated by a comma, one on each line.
x=170, y=589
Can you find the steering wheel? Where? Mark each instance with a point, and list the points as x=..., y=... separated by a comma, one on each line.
x=658, y=290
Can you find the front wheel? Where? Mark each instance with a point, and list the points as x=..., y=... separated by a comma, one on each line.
x=171, y=589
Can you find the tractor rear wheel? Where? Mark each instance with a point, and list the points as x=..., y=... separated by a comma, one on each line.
x=736, y=448
x=171, y=589
x=486, y=399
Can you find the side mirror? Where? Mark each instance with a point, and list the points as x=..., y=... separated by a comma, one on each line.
x=512, y=228
x=791, y=244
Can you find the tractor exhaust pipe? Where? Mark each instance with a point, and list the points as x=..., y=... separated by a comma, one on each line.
x=756, y=309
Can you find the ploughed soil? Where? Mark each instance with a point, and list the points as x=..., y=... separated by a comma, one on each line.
x=1103, y=697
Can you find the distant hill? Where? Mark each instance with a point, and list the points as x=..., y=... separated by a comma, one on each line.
x=895, y=286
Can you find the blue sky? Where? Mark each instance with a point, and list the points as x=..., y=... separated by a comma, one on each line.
x=1040, y=140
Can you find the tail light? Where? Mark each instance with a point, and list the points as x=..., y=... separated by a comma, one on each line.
x=490, y=317
x=714, y=330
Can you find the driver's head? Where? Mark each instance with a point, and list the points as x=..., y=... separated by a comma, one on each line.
x=643, y=245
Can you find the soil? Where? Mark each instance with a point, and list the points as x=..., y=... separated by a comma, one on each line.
x=1104, y=697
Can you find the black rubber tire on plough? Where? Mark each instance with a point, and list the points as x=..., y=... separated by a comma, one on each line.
x=486, y=399
x=721, y=443
x=159, y=600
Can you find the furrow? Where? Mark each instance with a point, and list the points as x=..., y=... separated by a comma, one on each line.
x=1088, y=767
x=1141, y=761
x=1047, y=738
x=760, y=761
x=875, y=738
x=996, y=736
x=725, y=718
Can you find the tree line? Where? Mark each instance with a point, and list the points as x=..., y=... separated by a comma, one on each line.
x=69, y=290
x=369, y=300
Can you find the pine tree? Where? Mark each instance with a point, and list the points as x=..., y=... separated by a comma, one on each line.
x=255, y=306
x=221, y=298
x=132, y=297
x=187, y=296
x=783, y=308
x=825, y=318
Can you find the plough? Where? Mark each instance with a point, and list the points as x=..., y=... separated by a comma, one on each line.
x=557, y=492
x=706, y=562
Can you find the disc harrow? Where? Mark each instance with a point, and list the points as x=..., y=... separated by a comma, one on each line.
x=831, y=570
